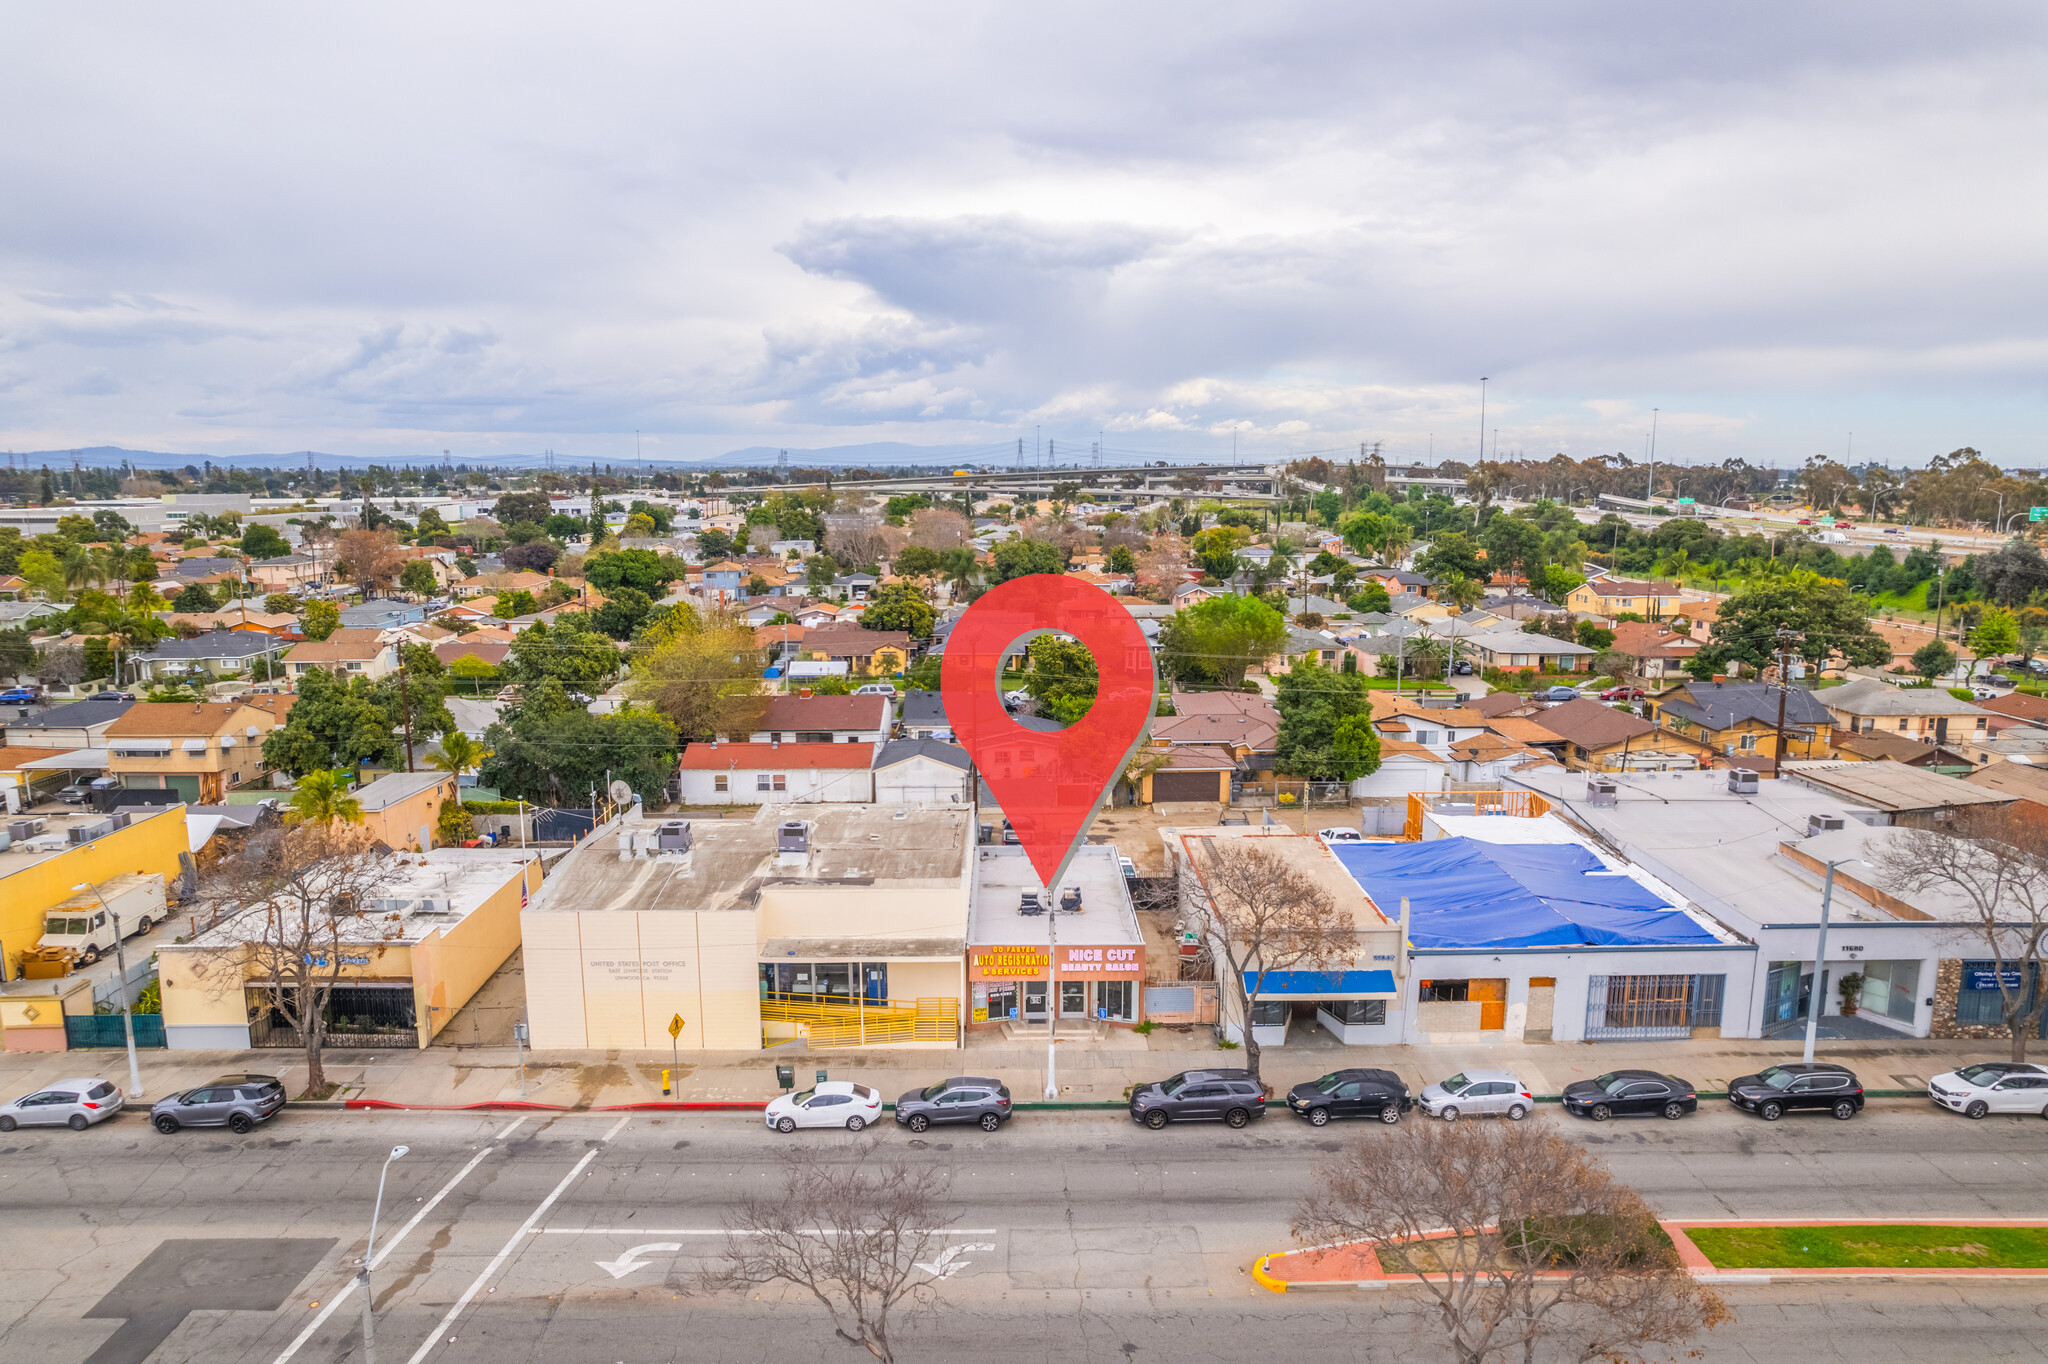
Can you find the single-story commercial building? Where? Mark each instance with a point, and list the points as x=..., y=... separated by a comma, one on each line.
x=1088, y=962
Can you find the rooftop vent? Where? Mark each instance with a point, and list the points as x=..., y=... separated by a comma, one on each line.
x=1820, y=824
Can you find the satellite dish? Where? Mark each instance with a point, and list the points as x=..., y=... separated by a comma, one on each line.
x=620, y=792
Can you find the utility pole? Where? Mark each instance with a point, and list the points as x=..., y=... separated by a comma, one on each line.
x=127, y=1006
x=1651, y=494
x=1778, y=753
x=405, y=705
x=1052, y=988
x=1815, y=997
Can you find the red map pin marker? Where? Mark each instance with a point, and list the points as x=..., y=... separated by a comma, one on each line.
x=1049, y=784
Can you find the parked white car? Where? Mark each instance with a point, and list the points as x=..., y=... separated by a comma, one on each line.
x=76, y=1104
x=1994, y=1087
x=1477, y=1093
x=835, y=1103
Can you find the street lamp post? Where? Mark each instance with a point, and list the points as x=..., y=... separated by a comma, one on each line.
x=1820, y=956
x=1052, y=990
x=121, y=966
x=370, y=1254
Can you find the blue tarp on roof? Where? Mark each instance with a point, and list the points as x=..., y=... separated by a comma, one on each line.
x=1465, y=893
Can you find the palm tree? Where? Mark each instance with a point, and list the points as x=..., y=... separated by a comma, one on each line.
x=1459, y=591
x=459, y=753
x=322, y=799
x=79, y=567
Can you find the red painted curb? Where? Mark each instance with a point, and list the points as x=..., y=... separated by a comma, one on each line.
x=522, y=1106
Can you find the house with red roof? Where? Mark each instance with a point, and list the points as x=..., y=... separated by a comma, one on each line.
x=775, y=773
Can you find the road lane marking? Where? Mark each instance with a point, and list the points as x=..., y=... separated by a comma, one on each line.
x=629, y=1260
x=525, y=1228
x=617, y=1127
x=349, y=1286
x=948, y=1262
x=510, y=1128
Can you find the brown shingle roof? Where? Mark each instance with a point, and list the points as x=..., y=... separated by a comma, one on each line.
x=341, y=646
x=177, y=720
x=1590, y=724
x=807, y=713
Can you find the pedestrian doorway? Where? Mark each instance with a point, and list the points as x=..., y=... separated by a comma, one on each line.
x=1034, y=1001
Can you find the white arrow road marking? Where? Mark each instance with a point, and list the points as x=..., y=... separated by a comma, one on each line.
x=949, y=1262
x=630, y=1260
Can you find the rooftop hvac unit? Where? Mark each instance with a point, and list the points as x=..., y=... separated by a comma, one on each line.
x=1070, y=899
x=792, y=836
x=1029, y=903
x=1602, y=793
x=120, y=819
x=674, y=836
x=20, y=828
x=1742, y=781
x=1820, y=824
x=86, y=833
x=6, y=840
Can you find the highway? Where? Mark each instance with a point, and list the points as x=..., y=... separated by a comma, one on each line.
x=569, y=1237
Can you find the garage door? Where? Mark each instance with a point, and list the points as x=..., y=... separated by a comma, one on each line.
x=1168, y=787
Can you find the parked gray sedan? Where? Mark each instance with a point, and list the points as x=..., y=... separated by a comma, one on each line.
x=1475, y=1093
x=76, y=1104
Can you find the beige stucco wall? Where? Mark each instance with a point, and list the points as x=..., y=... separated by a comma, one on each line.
x=614, y=979
x=451, y=964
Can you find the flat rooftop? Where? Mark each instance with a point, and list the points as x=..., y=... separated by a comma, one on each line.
x=731, y=859
x=1304, y=853
x=456, y=880
x=1003, y=874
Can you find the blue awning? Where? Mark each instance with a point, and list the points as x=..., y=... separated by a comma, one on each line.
x=1317, y=984
x=1466, y=893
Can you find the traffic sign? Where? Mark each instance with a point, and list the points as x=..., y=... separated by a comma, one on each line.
x=675, y=1026
x=2037, y=513
x=1685, y=502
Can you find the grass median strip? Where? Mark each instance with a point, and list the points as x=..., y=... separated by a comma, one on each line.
x=1873, y=1247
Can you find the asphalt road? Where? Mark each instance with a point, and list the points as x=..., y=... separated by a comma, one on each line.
x=1078, y=1235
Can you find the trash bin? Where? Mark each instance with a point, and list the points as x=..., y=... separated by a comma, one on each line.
x=786, y=1076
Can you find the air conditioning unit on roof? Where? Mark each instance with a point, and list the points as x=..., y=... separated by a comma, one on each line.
x=1820, y=824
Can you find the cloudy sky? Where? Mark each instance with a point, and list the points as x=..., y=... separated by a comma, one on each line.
x=500, y=227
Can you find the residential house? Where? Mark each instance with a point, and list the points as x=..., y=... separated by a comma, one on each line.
x=1511, y=650
x=382, y=614
x=1186, y=774
x=1609, y=597
x=346, y=653
x=81, y=724
x=1243, y=724
x=491, y=653
x=1399, y=582
x=924, y=716
x=216, y=653
x=853, y=586
x=235, y=618
x=923, y=772
x=1930, y=714
x=13, y=586
x=1739, y=720
x=867, y=653
x=401, y=809
x=198, y=751
x=201, y=568
x=771, y=773
x=807, y=719
x=285, y=572
x=2026, y=781
x=1895, y=748
x=815, y=614
x=2016, y=710
x=800, y=549
x=1658, y=650
x=1188, y=594
x=18, y=615
x=1599, y=738
x=1314, y=645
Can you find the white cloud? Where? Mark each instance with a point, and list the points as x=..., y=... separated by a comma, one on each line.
x=498, y=226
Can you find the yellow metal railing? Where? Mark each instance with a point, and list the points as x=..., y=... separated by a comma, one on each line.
x=867, y=1023
x=1517, y=803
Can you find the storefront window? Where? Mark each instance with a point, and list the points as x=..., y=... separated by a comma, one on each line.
x=1270, y=1013
x=1446, y=991
x=835, y=980
x=1002, y=999
x=1890, y=987
x=1116, y=999
x=1357, y=1012
x=1978, y=998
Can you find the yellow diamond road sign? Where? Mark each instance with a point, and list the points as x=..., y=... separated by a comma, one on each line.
x=675, y=1026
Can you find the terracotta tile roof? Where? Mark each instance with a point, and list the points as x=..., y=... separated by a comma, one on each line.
x=11, y=757
x=1625, y=587
x=1499, y=703
x=1390, y=747
x=1522, y=730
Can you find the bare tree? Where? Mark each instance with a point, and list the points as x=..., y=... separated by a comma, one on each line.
x=1519, y=1237
x=372, y=559
x=939, y=528
x=867, y=1240
x=1257, y=914
x=855, y=539
x=300, y=902
x=1996, y=864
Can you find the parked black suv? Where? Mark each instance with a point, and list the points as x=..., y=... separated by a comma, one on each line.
x=1351, y=1094
x=236, y=1102
x=1230, y=1096
x=1774, y=1090
x=1631, y=1093
x=963, y=1098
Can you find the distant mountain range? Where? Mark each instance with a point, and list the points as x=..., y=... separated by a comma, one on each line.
x=877, y=454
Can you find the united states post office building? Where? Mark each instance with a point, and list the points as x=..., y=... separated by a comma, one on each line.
x=827, y=925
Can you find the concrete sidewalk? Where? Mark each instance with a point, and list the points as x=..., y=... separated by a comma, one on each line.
x=1087, y=1071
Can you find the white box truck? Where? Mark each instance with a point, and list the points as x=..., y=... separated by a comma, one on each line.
x=79, y=931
